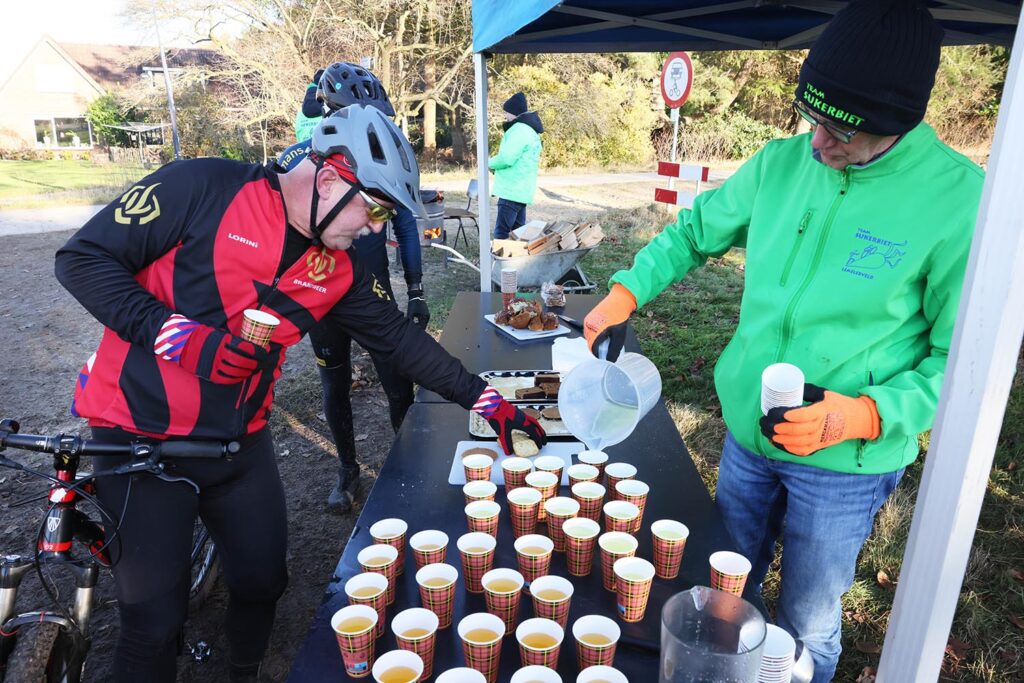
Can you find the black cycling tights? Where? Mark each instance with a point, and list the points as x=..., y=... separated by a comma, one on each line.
x=241, y=501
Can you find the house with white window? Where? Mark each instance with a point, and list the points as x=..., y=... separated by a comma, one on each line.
x=43, y=102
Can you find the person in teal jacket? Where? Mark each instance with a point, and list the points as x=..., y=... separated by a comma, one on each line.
x=515, y=165
x=856, y=237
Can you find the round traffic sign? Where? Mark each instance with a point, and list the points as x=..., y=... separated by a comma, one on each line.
x=676, y=79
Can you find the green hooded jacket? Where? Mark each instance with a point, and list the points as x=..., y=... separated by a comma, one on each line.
x=854, y=276
x=515, y=164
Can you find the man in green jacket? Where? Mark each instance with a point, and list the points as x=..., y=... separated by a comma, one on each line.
x=515, y=165
x=857, y=238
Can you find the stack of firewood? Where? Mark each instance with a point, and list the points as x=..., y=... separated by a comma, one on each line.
x=556, y=236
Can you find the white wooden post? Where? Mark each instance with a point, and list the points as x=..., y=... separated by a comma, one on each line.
x=982, y=362
x=483, y=179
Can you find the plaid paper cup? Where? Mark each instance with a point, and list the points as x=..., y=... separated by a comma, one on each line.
x=533, y=565
x=552, y=597
x=729, y=571
x=412, y=621
x=389, y=568
x=547, y=484
x=479, y=490
x=437, y=590
x=392, y=532
x=598, y=459
x=614, y=545
x=477, y=467
x=514, y=471
x=258, y=326
x=580, y=541
x=480, y=655
x=599, y=674
x=405, y=659
x=559, y=509
x=669, y=540
x=374, y=584
x=356, y=648
x=501, y=602
x=461, y=674
x=428, y=547
x=536, y=674
x=586, y=630
x=634, y=491
x=620, y=516
x=482, y=516
x=531, y=654
x=581, y=472
x=523, y=507
x=590, y=496
x=550, y=463
x=633, y=578
x=615, y=472
x=477, y=552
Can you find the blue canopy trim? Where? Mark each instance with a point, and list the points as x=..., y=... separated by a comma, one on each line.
x=535, y=26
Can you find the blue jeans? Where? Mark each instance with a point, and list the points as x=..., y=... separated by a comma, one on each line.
x=511, y=215
x=823, y=517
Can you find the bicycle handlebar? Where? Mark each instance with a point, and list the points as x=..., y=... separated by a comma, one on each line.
x=70, y=443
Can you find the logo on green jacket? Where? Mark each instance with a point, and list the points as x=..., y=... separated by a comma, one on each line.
x=815, y=99
x=879, y=254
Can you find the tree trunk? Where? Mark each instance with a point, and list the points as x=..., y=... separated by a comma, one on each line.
x=738, y=84
x=459, y=142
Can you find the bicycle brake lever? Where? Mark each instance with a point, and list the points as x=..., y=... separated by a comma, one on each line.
x=166, y=477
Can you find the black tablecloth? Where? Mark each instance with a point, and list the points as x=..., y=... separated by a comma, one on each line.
x=413, y=486
x=481, y=346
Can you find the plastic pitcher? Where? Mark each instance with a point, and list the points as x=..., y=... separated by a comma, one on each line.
x=710, y=635
x=601, y=402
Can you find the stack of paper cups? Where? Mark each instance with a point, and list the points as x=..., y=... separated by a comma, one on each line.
x=509, y=284
x=782, y=386
x=777, y=656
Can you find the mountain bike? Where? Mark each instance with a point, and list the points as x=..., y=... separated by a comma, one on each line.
x=51, y=645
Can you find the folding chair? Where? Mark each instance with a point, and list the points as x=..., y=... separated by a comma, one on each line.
x=458, y=214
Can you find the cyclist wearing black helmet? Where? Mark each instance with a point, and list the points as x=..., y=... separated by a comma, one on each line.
x=169, y=269
x=340, y=85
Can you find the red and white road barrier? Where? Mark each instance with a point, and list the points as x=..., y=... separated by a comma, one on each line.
x=690, y=172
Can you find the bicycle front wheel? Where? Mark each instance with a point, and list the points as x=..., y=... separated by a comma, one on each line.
x=43, y=653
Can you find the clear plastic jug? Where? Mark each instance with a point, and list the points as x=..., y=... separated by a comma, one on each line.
x=601, y=402
x=710, y=635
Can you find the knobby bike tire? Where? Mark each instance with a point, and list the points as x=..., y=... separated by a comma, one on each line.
x=42, y=654
x=205, y=568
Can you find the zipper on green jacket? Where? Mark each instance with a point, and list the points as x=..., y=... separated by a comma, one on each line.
x=864, y=442
x=787, y=320
x=796, y=247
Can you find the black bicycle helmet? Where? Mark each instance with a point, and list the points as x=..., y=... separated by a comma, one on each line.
x=380, y=156
x=343, y=84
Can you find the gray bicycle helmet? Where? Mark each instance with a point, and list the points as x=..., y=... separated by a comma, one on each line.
x=380, y=156
x=343, y=84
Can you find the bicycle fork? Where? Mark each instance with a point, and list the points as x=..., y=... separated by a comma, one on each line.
x=13, y=569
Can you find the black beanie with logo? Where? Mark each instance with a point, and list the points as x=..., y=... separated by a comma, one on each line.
x=516, y=104
x=873, y=67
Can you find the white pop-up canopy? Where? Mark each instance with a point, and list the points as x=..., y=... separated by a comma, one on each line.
x=990, y=323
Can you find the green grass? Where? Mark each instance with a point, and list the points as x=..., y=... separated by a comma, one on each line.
x=37, y=183
x=684, y=330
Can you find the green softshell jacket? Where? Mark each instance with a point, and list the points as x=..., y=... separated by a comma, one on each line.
x=854, y=276
x=515, y=164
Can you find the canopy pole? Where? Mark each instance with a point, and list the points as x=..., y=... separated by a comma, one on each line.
x=980, y=371
x=483, y=180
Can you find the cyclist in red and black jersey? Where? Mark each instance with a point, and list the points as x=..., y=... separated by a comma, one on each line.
x=169, y=269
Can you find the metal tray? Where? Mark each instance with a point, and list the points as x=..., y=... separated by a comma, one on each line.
x=478, y=425
x=507, y=381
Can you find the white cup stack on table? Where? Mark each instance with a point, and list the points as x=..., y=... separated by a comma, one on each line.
x=777, y=656
x=782, y=386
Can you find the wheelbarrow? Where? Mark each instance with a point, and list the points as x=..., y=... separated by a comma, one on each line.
x=559, y=267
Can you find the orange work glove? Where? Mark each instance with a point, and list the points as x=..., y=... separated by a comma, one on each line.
x=608, y=321
x=830, y=419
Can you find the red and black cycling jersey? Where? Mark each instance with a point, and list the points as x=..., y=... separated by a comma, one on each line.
x=206, y=238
